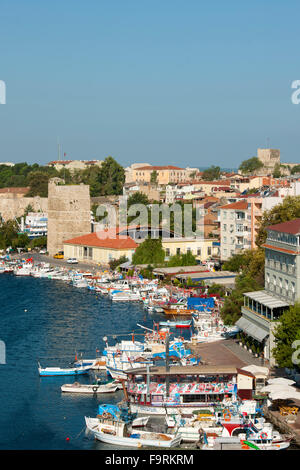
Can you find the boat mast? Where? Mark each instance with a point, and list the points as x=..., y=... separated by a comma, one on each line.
x=167, y=365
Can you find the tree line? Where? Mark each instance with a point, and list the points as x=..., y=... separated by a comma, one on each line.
x=103, y=181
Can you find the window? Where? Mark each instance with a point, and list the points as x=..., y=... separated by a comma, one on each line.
x=209, y=250
x=199, y=251
x=167, y=251
x=177, y=251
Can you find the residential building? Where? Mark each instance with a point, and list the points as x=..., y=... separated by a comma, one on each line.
x=234, y=229
x=262, y=309
x=164, y=174
x=73, y=165
x=203, y=249
x=95, y=249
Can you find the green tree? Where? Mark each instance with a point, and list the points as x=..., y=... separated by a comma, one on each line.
x=250, y=165
x=149, y=251
x=153, y=177
x=212, y=173
x=38, y=182
x=114, y=263
x=289, y=209
x=185, y=259
x=286, y=332
x=295, y=169
x=111, y=177
x=276, y=171
x=231, y=310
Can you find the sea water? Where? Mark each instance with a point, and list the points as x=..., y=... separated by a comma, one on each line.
x=48, y=321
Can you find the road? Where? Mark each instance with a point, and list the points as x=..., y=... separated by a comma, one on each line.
x=38, y=258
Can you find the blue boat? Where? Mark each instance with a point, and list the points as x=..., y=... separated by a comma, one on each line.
x=176, y=324
x=57, y=371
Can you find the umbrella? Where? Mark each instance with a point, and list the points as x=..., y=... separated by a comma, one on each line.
x=281, y=380
x=277, y=388
x=285, y=394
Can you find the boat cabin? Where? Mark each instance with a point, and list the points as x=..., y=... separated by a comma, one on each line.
x=182, y=386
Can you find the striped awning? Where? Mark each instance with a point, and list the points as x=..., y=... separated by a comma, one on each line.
x=252, y=329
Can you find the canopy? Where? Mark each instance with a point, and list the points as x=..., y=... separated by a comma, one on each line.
x=285, y=395
x=256, y=370
x=200, y=303
x=281, y=380
x=277, y=388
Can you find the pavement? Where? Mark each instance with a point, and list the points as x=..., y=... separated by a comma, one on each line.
x=39, y=258
x=224, y=352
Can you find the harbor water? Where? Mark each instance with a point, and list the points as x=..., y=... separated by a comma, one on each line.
x=46, y=320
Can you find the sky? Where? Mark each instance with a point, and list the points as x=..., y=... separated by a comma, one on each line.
x=179, y=82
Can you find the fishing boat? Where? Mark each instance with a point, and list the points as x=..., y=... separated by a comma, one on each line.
x=57, y=371
x=113, y=428
x=98, y=387
x=176, y=324
x=177, y=309
x=249, y=436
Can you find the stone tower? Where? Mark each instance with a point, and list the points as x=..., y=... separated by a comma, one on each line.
x=269, y=157
x=69, y=213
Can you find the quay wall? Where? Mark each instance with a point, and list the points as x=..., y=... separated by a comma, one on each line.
x=284, y=427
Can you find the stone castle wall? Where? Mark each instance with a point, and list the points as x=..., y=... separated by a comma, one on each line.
x=14, y=206
x=69, y=213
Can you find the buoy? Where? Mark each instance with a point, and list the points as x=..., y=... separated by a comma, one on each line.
x=25, y=310
x=67, y=439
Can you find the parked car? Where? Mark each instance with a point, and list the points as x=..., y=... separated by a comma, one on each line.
x=43, y=251
x=72, y=260
x=59, y=255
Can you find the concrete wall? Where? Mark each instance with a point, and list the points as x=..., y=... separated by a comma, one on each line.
x=14, y=206
x=69, y=213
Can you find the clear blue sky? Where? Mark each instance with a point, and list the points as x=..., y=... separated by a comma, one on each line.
x=182, y=82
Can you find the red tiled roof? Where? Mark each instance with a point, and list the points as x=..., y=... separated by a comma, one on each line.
x=240, y=205
x=14, y=190
x=95, y=240
x=277, y=248
x=292, y=226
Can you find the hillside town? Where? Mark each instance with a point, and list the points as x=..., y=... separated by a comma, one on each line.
x=241, y=256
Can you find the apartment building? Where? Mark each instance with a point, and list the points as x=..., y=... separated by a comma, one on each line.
x=234, y=229
x=262, y=309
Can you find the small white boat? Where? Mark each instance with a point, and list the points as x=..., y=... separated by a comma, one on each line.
x=76, y=387
x=119, y=433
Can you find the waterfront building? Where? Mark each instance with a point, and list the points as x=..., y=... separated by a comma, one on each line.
x=262, y=309
x=93, y=248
